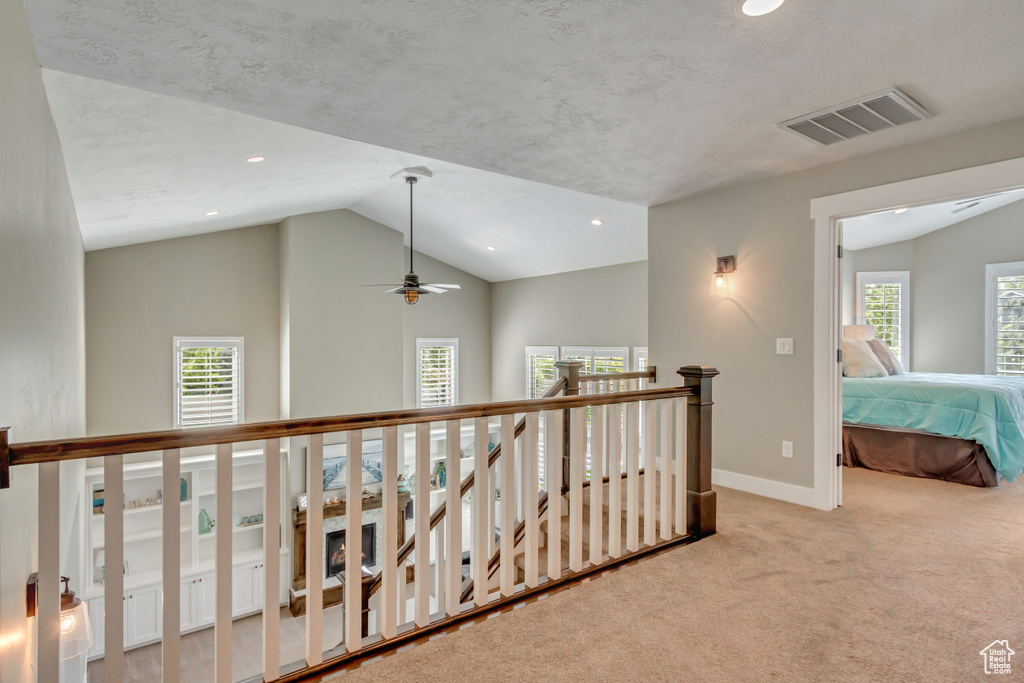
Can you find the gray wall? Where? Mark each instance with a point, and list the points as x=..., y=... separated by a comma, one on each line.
x=947, y=285
x=42, y=328
x=594, y=307
x=139, y=297
x=762, y=399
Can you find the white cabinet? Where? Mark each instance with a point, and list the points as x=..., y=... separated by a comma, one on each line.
x=206, y=598
x=144, y=615
x=197, y=602
x=247, y=588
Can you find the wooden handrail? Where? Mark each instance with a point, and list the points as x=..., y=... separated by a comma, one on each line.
x=59, y=450
x=650, y=373
x=492, y=457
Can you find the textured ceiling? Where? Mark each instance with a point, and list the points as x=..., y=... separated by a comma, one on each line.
x=873, y=230
x=641, y=101
x=145, y=166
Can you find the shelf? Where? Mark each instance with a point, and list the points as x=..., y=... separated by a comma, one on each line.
x=234, y=530
x=99, y=541
x=144, y=508
x=245, y=486
x=142, y=467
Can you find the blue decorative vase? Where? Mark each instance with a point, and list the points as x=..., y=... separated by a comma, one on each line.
x=442, y=474
x=184, y=489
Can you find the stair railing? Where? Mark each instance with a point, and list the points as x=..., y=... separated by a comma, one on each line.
x=685, y=512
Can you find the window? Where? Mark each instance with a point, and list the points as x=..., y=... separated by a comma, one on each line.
x=598, y=360
x=1004, y=316
x=640, y=358
x=541, y=372
x=207, y=381
x=883, y=300
x=437, y=372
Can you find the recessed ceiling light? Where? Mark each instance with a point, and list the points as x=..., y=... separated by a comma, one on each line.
x=903, y=210
x=597, y=221
x=254, y=160
x=757, y=8
x=212, y=213
x=490, y=248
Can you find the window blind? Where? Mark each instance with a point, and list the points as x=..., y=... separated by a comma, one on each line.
x=437, y=372
x=1009, y=327
x=208, y=387
x=541, y=372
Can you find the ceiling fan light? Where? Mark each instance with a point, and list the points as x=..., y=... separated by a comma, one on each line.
x=411, y=296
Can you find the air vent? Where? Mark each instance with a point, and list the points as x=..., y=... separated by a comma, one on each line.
x=852, y=119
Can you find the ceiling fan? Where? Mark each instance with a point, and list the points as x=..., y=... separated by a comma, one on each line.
x=411, y=288
x=971, y=203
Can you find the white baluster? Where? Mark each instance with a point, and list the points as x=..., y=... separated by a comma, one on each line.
x=532, y=536
x=598, y=415
x=403, y=574
x=421, y=512
x=453, y=513
x=615, y=480
x=48, y=588
x=354, y=541
x=507, y=568
x=482, y=530
x=271, y=559
x=388, y=595
x=171, y=574
x=553, y=454
x=113, y=553
x=223, y=567
x=440, y=577
x=665, y=467
x=632, y=476
x=314, y=549
x=679, y=417
x=650, y=472
x=577, y=455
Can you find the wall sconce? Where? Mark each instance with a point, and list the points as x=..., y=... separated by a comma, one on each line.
x=725, y=265
x=75, y=631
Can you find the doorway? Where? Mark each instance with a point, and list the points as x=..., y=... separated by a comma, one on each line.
x=828, y=214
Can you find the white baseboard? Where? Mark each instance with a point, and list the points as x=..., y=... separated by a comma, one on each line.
x=790, y=493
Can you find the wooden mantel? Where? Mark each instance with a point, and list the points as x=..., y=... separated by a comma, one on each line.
x=332, y=595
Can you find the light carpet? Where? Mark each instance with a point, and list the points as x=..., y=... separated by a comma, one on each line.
x=908, y=581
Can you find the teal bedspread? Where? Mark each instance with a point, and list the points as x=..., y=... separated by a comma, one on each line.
x=982, y=408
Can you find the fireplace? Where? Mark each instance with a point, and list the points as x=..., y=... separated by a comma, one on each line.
x=336, y=549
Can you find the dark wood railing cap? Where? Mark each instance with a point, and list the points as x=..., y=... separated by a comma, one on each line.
x=704, y=371
x=5, y=459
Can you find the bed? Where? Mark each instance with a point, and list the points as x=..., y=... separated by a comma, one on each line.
x=963, y=428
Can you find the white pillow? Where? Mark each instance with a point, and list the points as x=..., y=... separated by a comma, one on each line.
x=860, y=361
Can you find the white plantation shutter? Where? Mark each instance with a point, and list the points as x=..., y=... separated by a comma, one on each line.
x=598, y=360
x=207, y=381
x=1005, y=313
x=541, y=372
x=883, y=300
x=640, y=358
x=437, y=372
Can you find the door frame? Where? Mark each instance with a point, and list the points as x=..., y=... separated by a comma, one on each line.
x=828, y=213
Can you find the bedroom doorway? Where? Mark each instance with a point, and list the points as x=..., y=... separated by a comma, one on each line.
x=836, y=215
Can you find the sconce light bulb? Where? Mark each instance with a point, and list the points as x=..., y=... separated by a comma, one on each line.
x=719, y=280
x=67, y=624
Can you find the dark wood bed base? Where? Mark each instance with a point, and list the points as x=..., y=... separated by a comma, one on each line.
x=915, y=453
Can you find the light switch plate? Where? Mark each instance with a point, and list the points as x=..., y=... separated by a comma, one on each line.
x=784, y=347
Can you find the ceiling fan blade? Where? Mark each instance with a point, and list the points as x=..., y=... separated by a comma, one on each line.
x=978, y=199
x=434, y=284
x=399, y=288
x=392, y=284
x=964, y=208
x=432, y=288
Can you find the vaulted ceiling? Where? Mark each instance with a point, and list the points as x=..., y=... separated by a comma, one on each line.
x=638, y=102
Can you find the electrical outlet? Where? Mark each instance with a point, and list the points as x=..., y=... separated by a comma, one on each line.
x=787, y=449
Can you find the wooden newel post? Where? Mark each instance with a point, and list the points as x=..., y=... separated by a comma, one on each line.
x=5, y=459
x=570, y=370
x=700, y=498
